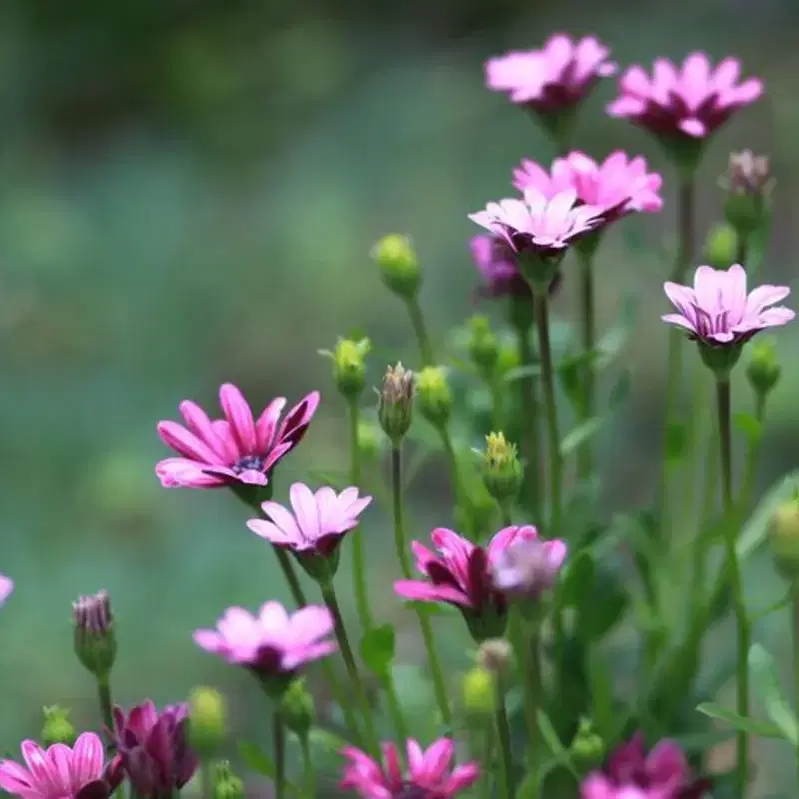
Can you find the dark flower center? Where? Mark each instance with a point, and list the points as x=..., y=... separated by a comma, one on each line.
x=411, y=791
x=249, y=463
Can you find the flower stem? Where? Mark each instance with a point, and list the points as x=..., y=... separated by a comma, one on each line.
x=358, y=557
x=528, y=665
x=308, y=767
x=279, y=736
x=329, y=596
x=420, y=329
x=528, y=386
x=436, y=672
x=736, y=583
x=795, y=635
x=507, y=789
x=752, y=455
x=206, y=779
x=106, y=705
x=486, y=758
x=588, y=320
x=741, y=249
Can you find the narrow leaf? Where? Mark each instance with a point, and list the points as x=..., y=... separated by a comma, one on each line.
x=749, y=426
x=580, y=434
x=762, y=729
x=766, y=683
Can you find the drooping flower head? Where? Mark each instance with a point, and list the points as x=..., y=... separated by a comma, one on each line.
x=529, y=567
x=60, y=771
x=153, y=748
x=234, y=450
x=430, y=773
x=632, y=772
x=461, y=574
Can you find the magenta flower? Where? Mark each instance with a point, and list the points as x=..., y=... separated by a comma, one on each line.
x=430, y=773
x=6, y=588
x=555, y=78
x=317, y=523
x=153, y=748
x=632, y=773
x=689, y=102
x=461, y=574
x=61, y=772
x=273, y=643
x=617, y=186
x=529, y=566
x=236, y=449
x=718, y=311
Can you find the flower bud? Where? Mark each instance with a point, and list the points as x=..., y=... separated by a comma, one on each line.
x=226, y=784
x=369, y=440
x=207, y=721
x=587, y=749
x=395, y=407
x=502, y=470
x=720, y=247
x=297, y=708
x=749, y=185
x=495, y=656
x=479, y=692
x=783, y=538
x=435, y=397
x=720, y=360
x=399, y=266
x=763, y=370
x=95, y=641
x=57, y=728
x=349, y=365
x=483, y=345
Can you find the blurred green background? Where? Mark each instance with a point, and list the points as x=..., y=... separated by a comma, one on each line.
x=188, y=193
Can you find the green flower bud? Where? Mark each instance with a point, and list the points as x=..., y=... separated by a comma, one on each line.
x=783, y=538
x=749, y=186
x=395, y=407
x=399, y=266
x=495, y=656
x=587, y=749
x=435, y=397
x=502, y=469
x=57, y=728
x=483, y=345
x=207, y=721
x=508, y=359
x=297, y=708
x=720, y=359
x=225, y=783
x=369, y=440
x=349, y=365
x=95, y=642
x=721, y=246
x=479, y=692
x=763, y=370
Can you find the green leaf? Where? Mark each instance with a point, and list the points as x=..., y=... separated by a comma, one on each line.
x=766, y=684
x=749, y=426
x=603, y=711
x=611, y=343
x=762, y=729
x=575, y=438
x=326, y=741
x=577, y=581
x=754, y=532
x=378, y=649
x=257, y=759
x=603, y=608
x=520, y=372
x=551, y=739
x=621, y=389
x=701, y=742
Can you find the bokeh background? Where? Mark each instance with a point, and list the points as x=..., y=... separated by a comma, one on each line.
x=188, y=194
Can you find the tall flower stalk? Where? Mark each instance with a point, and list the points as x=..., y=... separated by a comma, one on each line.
x=279, y=744
x=588, y=331
x=358, y=555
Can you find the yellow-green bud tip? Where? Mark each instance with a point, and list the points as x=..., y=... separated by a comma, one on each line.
x=783, y=536
x=207, y=720
x=226, y=784
x=57, y=728
x=399, y=266
x=587, y=748
x=435, y=397
x=479, y=691
x=502, y=469
x=763, y=370
x=721, y=246
x=349, y=365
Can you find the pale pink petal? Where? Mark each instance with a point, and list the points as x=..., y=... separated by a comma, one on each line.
x=680, y=321
x=59, y=757
x=210, y=640
x=284, y=520
x=272, y=616
x=763, y=296
x=303, y=503
x=6, y=588
x=694, y=80
x=271, y=532
x=597, y=786
x=693, y=127
x=311, y=623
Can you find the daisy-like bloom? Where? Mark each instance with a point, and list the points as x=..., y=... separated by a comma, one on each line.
x=236, y=449
x=462, y=574
x=60, y=771
x=688, y=102
x=6, y=588
x=555, y=78
x=719, y=312
x=633, y=773
x=272, y=644
x=529, y=567
x=430, y=773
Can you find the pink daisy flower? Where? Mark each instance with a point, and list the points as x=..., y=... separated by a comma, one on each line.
x=60, y=771
x=273, y=643
x=528, y=567
x=554, y=78
x=6, y=588
x=691, y=101
x=430, y=772
x=718, y=311
x=236, y=449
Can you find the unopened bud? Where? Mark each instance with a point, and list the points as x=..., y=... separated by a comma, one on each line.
x=508, y=357
x=395, y=407
x=720, y=247
x=783, y=538
x=749, y=185
x=297, y=708
x=226, y=784
x=95, y=641
x=763, y=370
x=587, y=749
x=57, y=728
x=369, y=440
x=495, y=656
x=502, y=469
x=435, y=397
x=479, y=692
x=483, y=345
x=399, y=266
x=207, y=721
x=349, y=365
x=527, y=568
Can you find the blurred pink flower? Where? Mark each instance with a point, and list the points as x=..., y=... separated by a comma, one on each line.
x=234, y=449
x=273, y=643
x=692, y=101
x=540, y=224
x=61, y=772
x=557, y=77
x=430, y=773
x=719, y=311
x=529, y=566
x=316, y=522
x=617, y=186
x=6, y=588
x=632, y=773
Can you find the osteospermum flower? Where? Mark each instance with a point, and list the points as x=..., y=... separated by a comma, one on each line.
x=273, y=643
x=554, y=78
x=6, y=588
x=529, y=566
x=461, y=574
x=60, y=771
x=430, y=774
x=719, y=312
x=632, y=772
x=691, y=101
x=236, y=449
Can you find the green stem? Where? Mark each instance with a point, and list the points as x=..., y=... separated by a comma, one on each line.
x=505, y=778
x=358, y=557
x=486, y=758
x=497, y=389
x=106, y=705
x=436, y=672
x=206, y=779
x=753, y=454
x=588, y=320
x=329, y=596
x=420, y=330
x=741, y=250
x=279, y=736
x=795, y=636
x=528, y=664
x=308, y=767
x=736, y=583
x=531, y=416
x=550, y=404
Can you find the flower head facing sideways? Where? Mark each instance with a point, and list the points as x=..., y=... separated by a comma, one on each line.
x=529, y=567
x=430, y=773
x=61, y=772
x=235, y=450
x=6, y=588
